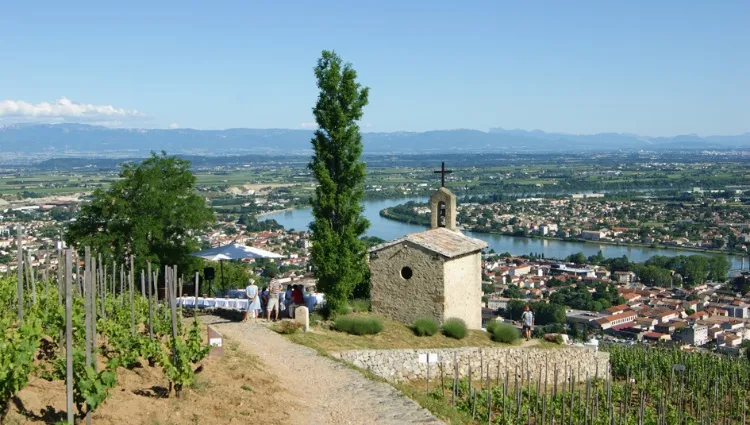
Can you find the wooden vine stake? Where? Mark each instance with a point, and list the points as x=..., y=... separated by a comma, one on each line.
x=31, y=277
x=173, y=308
x=195, y=304
x=150, y=303
x=132, y=304
x=19, y=243
x=87, y=306
x=94, y=311
x=69, y=336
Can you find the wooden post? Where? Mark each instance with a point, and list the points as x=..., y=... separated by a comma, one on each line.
x=132, y=303
x=87, y=307
x=173, y=309
x=32, y=279
x=195, y=305
x=150, y=302
x=92, y=302
x=122, y=285
x=19, y=243
x=104, y=289
x=60, y=276
x=102, y=273
x=69, y=336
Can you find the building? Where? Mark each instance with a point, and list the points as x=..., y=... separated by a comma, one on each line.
x=436, y=273
x=547, y=228
x=592, y=235
x=557, y=269
x=695, y=335
x=624, y=277
x=497, y=303
x=616, y=319
x=521, y=270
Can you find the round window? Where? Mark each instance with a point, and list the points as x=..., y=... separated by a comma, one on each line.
x=406, y=273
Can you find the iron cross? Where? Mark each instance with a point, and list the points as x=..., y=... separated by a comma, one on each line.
x=443, y=172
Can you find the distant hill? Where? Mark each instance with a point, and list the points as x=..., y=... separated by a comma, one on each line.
x=52, y=140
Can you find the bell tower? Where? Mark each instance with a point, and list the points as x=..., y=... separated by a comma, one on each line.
x=443, y=205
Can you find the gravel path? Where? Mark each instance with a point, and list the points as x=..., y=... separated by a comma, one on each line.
x=326, y=391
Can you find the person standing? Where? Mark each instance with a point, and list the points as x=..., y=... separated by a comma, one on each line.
x=527, y=319
x=274, y=289
x=253, y=301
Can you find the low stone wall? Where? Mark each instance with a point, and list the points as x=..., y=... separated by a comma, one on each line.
x=403, y=365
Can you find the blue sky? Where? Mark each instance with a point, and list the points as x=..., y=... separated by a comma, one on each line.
x=652, y=68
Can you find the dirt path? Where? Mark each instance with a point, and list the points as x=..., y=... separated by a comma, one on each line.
x=325, y=391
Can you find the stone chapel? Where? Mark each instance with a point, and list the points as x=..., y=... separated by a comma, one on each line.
x=435, y=273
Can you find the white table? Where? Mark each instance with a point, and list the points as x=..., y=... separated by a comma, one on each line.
x=227, y=303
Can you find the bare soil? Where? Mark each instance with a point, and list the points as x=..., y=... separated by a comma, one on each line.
x=233, y=389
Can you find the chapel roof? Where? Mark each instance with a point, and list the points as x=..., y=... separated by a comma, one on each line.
x=442, y=241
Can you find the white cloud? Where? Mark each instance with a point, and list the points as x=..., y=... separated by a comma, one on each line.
x=174, y=125
x=309, y=125
x=63, y=109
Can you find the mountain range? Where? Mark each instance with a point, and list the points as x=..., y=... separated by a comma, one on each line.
x=51, y=140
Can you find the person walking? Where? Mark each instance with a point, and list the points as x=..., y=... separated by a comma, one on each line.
x=527, y=319
x=274, y=289
x=253, y=301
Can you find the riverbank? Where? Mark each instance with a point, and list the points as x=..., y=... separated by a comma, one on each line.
x=387, y=214
x=275, y=212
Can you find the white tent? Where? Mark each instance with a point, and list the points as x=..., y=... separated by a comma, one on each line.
x=233, y=251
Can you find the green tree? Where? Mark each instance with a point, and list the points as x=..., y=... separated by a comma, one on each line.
x=338, y=253
x=719, y=266
x=152, y=212
x=578, y=258
x=512, y=291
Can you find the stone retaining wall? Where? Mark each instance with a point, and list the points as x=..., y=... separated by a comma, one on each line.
x=403, y=365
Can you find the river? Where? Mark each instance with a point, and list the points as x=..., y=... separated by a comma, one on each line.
x=389, y=229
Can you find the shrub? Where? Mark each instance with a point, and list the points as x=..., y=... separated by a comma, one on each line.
x=454, y=328
x=344, y=309
x=360, y=305
x=315, y=319
x=288, y=327
x=491, y=325
x=503, y=332
x=357, y=325
x=425, y=326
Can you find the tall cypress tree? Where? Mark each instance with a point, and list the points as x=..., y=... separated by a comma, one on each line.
x=338, y=254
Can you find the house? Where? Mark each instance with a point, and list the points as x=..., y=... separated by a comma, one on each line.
x=497, y=303
x=615, y=309
x=733, y=325
x=656, y=337
x=546, y=229
x=665, y=316
x=713, y=311
x=698, y=315
x=646, y=323
x=582, y=317
x=616, y=319
x=624, y=277
x=522, y=270
x=695, y=335
x=592, y=235
x=730, y=340
x=740, y=311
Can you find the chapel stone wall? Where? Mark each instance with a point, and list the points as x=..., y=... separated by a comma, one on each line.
x=463, y=289
x=405, y=298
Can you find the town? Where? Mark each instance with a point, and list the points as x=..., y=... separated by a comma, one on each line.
x=583, y=299
x=716, y=220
